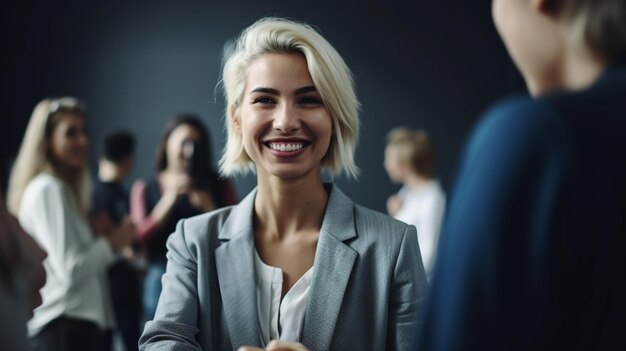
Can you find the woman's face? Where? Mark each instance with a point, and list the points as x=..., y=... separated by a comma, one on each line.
x=285, y=126
x=177, y=147
x=69, y=141
x=395, y=168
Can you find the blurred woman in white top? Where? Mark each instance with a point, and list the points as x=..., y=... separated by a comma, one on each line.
x=409, y=160
x=49, y=192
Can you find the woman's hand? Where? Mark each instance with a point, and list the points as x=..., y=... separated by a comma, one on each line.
x=122, y=235
x=101, y=223
x=175, y=185
x=277, y=345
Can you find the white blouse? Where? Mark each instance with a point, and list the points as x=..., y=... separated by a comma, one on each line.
x=280, y=319
x=76, y=284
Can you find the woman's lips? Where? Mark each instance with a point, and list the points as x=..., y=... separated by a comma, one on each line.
x=287, y=147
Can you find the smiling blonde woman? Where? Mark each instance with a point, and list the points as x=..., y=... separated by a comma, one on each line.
x=296, y=260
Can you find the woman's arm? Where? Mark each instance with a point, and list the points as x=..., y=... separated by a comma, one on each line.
x=409, y=287
x=147, y=223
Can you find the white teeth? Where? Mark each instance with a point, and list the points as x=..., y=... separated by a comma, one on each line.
x=286, y=147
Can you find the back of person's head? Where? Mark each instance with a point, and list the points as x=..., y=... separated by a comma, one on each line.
x=118, y=146
x=331, y=76
x=414, y=148
x=204, y=144
x=34, y=154
x=600, y=24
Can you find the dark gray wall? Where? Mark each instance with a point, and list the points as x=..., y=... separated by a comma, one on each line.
x=429, y=64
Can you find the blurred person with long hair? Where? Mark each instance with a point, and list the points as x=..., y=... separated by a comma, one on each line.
x=49, y=192
x=185, y=185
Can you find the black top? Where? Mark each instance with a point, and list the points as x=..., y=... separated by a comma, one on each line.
x=222, y=193
x=111, y=198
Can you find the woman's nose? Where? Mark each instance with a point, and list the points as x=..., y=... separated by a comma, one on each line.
x=83, y=139
x=286, y=119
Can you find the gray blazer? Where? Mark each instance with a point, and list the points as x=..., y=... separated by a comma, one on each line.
x=367, y=288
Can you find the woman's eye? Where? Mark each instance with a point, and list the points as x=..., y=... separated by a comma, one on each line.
x=263, y=100
x=311, y=100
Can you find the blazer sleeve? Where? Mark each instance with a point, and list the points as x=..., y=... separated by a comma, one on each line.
x=175, y=323
x=409, y=286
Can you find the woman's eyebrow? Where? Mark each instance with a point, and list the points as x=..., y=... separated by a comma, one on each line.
x=265, y=90
x=273, y=91
x=305, y=90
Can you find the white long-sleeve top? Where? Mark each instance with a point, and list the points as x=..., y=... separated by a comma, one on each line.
x=424, y=208
x=77, y=260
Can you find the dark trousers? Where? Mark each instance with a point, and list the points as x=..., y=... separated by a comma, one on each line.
x=67, y=334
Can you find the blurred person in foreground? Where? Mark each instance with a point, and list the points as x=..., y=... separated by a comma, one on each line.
x=410, y=160
x=21, y=277
x=532, y=252
x=49, y=191
x=296, y=260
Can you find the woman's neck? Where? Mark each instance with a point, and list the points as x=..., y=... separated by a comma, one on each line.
x=65, y=173
x=285, y=207
x=416, y=182
x=72, y=179
x=575, y=69
x=581, y=69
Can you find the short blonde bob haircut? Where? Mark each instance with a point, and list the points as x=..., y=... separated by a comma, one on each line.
x=331, y=76
x=34, y=154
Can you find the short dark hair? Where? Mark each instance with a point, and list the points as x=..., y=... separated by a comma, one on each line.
x=118, y=146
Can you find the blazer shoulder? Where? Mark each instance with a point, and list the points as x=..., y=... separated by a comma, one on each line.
x=206, y=226
x=373, y=223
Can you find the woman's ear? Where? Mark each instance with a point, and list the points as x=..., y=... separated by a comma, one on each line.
x=550, y=8
x=235, y=118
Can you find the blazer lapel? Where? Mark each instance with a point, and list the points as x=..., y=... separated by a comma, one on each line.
x=333, y=266
x=235, y=270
